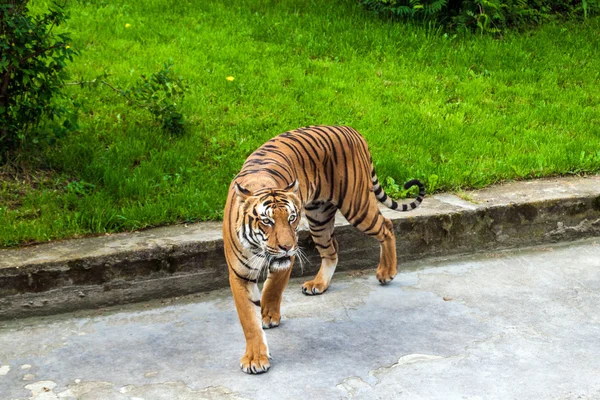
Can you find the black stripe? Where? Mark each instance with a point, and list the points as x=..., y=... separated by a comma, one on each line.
x=330, y=176
x=313, y=206
x=284, y=156
x=360, y=219
x=296, y=140
x=318, y=186
x=308, y=136
x=332, y=147
x=377, y=233
x=243, y=278
x=317, y=222
x=299, y=157
x=276, y=173
x=343, y=183
x=373, y=223
x=308, y=140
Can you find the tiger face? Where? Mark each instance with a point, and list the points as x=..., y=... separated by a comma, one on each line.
x=268, y=225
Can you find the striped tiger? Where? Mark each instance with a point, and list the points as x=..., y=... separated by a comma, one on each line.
x=313, y=171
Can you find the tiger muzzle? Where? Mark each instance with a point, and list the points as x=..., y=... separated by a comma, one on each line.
x=281, y=261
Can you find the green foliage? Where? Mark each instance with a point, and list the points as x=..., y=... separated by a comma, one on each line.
x=32, y=72
x=80, y=188
x=455, y=111
x=416, y=9
x=392, y=189
x=397, y=191
x=483, y=15
x=160, y=94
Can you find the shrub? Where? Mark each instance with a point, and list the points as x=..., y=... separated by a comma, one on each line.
x=160, y=94
x=32, y=72
x=483, y=15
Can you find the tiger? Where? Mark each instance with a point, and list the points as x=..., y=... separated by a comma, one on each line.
x=312, y=171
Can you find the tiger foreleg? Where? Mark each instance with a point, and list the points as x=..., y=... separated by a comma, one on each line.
x=323, y=279
x=256, y=358
x=272, y=295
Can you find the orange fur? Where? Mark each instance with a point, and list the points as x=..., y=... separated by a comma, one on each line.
x=316, y=171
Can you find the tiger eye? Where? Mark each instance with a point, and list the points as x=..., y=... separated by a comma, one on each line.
x=266, y=221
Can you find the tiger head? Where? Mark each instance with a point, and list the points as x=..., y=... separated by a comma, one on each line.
x=268, y=224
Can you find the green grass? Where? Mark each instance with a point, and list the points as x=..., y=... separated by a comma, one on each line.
x=456, y=112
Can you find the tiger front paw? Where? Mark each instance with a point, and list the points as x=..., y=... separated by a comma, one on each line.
x=270, y=319
x=314, y=287
x=386, y=275
x=255, y=362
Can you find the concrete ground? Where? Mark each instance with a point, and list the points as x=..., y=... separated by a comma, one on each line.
x=520, y=324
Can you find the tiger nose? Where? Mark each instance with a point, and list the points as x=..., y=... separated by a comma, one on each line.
x=285, y=247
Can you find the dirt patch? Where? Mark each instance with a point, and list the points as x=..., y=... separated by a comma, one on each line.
x=17, y=183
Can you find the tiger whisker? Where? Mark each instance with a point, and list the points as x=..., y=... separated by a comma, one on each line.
x=257, y=263
x=302, y=258
x=265, y=270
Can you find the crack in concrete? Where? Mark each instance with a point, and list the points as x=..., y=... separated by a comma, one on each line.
x=576, y=302
x=347, y=310
x=404, y=360
x=100, y=390
x=353, y=384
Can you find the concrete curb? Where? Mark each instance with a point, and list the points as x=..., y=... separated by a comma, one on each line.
x=173, y=261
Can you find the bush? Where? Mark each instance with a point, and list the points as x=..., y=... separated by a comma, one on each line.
x=32, y=64
x=160, y=94
x=483, y=15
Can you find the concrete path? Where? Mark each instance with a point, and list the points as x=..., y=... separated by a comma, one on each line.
x=521, y=324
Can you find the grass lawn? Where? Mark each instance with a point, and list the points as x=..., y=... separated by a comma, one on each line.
x=455, y=112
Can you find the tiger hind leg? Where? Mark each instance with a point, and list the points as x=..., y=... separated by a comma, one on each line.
x=321, y=219
x=373, y=223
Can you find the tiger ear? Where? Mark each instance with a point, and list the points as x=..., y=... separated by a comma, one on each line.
x=242, y=192
x=293, y=187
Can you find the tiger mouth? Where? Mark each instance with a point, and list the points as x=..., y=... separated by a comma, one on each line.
x=281, y=262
